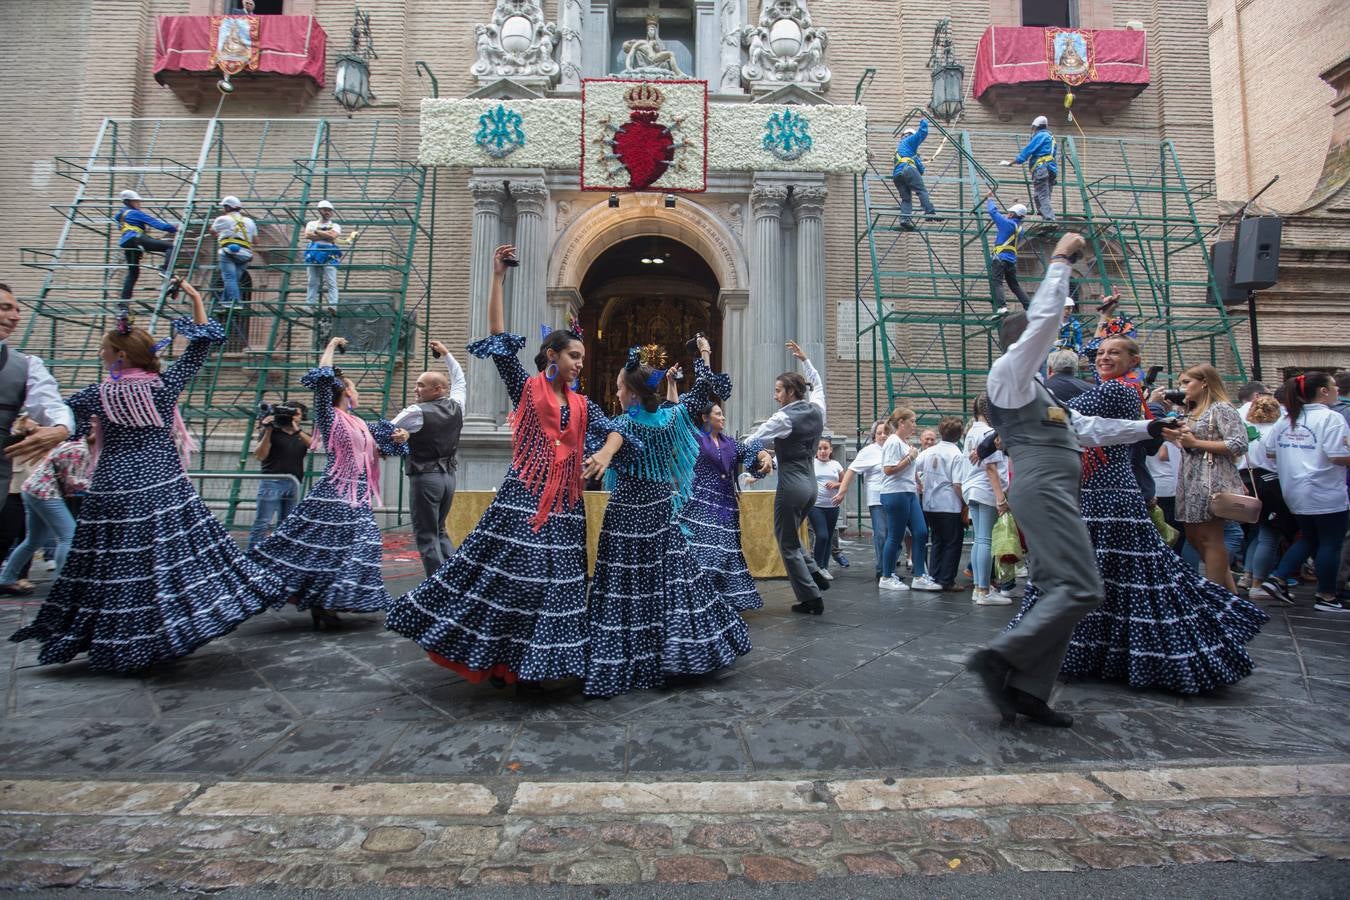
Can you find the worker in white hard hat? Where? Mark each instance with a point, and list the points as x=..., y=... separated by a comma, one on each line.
x=1039, y=155
x=134, y=241
x=322, y=256
x=235, y=234
x=1003, y=261
x=908, y=174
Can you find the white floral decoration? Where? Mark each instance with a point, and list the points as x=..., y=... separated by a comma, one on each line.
x=552, y=130
x=683, y=110
x=736, y=138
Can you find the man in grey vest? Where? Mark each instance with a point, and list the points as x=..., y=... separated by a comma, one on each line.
x=433, y=425
x=1042, y=437
x=27, y=386
x=795, y=430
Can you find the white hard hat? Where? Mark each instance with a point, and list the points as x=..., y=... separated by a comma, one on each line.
x=1068, y=302
x=909, y=129
x=231, y=201
x=1017, y=209
x=130, y=195
x=1040, y=121
x=324, y=204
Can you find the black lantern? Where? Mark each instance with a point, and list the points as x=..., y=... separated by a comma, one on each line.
x=351, y=86
x=948, y=75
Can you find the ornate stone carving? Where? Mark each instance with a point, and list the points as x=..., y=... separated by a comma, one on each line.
x=735, y=219
x=517, y=43
x=768, y=199
x=809, y=200
x=531, y=196
x=488, y=194
x=648, y=57
x=785, y=48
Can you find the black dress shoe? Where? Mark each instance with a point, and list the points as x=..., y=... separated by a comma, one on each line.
x=993, y=671
x=1037, y=710
x=821, y=581
x=324, y=620
x=809, y=607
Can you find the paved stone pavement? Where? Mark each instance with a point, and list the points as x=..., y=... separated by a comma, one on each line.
x=824, y=708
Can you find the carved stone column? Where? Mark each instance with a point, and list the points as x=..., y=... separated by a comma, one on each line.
x=486, y=401
x=808, y=202
x=528, y=303
x=595, y=40
x=731, y=20
x=766, y=296
x=570, y=49
x=706, y=39
x=736, y=357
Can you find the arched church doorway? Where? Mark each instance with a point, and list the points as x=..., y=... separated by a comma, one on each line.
x=645, y=290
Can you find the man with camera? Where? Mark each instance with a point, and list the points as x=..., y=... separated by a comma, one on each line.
x=281, y=450
x=434, y=423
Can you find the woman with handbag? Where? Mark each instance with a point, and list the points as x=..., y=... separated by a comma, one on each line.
x=1209, y=473
x=1160, y=625
x=1311, y=448
x=1277, y=523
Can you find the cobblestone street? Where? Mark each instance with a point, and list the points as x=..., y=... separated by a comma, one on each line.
x=850, y=744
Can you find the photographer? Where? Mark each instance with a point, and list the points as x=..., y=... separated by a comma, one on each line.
x=281, y=450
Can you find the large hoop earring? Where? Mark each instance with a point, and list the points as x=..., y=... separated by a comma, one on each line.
x=115, y=370
x=554, y=368
x=632, y=410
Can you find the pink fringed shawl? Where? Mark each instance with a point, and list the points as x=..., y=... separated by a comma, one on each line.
x=130, y=400
x=353, y=451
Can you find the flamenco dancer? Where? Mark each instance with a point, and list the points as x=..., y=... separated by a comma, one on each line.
x=1160, y=624
x=795, y=430
x=711, y=515
x=151, y=574
x=1042, y=439
x=653, y=614
x=511, y=603
x=327, y=552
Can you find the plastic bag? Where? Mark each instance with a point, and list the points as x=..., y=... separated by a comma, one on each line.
x=1167, y=532
x=1007, y=541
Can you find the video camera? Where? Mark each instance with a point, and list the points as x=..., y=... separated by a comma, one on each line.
x=283, y=414
x=1175, y=396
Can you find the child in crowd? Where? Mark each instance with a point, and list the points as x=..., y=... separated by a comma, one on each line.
x=942, y=467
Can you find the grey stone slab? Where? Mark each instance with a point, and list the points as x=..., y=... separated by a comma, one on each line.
x=1246, y=734
x=853, y=702
x=1025, y=743
x=73, y=702
x=60, y=746
x=212, y=747
x=1088, y=695
x=330, y=748
x=795, y=745
x=450, y=749
x=916, y=743
x=1139, y=735
x=562, y=748
x=704, y=747
x=365, y=706
x=253, y=703
x=1326, y=724
x=1331, y=691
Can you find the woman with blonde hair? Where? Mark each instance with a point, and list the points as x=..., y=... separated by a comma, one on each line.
x=900, y=500
x=1276, y=522
x=1216, y=439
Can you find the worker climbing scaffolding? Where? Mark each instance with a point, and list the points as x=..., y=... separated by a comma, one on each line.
x=1039, y=155
x=1003, y=262
x=908, y=175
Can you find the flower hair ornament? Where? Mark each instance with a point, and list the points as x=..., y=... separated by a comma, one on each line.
x=123, y=322
x=650, y=355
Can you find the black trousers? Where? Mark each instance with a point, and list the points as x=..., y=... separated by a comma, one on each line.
x=13, y=527
x=1000, y=271
x=133, y=253
x=944, y=545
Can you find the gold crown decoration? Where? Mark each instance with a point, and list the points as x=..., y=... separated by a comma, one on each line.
x=644, y=96
x=653, y=356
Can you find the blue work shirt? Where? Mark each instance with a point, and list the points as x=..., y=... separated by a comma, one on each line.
x=1007, y=227
x=909, y=148
x=1042, y=143
x=130, y=216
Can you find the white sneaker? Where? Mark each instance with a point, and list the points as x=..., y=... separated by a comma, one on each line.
x=989, y=598
x=1260, y=593
x=1005, y=593
x=1001, y=311
x=51, y=565
x=825, y=573
x=891, y=583
x=1245, y=581
x=924, y=583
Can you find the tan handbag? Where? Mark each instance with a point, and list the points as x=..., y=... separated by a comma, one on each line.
x=1237, y=507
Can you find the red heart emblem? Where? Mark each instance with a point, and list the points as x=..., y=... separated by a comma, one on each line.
x=646, y=149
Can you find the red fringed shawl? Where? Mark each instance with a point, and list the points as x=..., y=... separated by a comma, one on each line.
x=548, y=457
x=1095, y=457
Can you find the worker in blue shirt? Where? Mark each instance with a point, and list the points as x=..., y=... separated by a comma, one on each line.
x=134, y=241
x=1003, y=264
x=1039, y=154
x=908, y=174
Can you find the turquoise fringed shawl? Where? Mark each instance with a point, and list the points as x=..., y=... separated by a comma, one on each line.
x=669, y=451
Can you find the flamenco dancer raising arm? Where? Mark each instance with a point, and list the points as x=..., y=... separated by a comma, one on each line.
x=711, y=516
x=151, y=574
x=795, y=430
x=328, y=550
x=511, y=603
x=654, y=613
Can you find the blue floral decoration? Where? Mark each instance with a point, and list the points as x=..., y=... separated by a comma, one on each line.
x=499, y=132
x=787, y=135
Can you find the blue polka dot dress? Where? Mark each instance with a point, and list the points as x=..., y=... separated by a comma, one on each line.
x=151, y=575
x=328, y=552
x=654, y=613
x=511, y=602
x=1161, y=625
x=711, y=516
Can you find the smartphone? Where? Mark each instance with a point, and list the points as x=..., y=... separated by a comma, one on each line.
x=510, y=261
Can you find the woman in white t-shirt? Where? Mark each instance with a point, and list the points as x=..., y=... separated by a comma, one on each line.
x=1311, y=448
x=1276, y=522
x=867, y=466
x=900, y=502
x=825, y=514
x=984, y=488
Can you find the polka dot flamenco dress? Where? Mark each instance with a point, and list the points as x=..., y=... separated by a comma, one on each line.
x=653, y=612
x=151, y=574
x=511, y=602
x=328, y=552
x=711, y=516
x=1161, y=625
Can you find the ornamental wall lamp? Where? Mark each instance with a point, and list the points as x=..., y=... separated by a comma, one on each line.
x=948, y=75
x=351, y=86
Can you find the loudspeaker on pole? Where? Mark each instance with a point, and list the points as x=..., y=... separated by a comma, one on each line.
x=1221, y=258
x=1258, y=253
